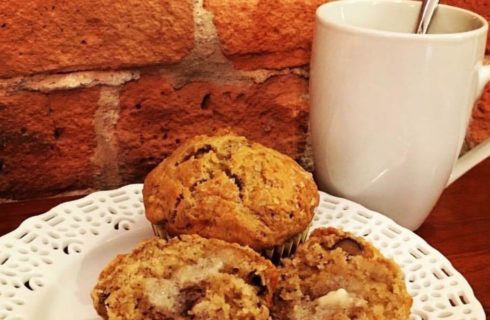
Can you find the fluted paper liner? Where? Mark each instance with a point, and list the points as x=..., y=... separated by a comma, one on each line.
x=275, y=254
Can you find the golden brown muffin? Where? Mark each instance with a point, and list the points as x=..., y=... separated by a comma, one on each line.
x=335, y=275
x=228, y=188
x=188, y=277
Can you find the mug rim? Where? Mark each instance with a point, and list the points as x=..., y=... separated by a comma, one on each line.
x=400, y=35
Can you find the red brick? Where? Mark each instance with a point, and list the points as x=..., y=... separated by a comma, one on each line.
x=50, y=35
x=46, y=142
x=265, y=34
x=482, y=7
x=480, y=124
x=155, y=118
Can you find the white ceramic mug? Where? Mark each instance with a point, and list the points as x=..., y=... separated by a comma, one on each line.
x=389, y=108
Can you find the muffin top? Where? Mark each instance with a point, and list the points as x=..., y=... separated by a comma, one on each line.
x=335, y=275
x=229, y=188
x=189, y=277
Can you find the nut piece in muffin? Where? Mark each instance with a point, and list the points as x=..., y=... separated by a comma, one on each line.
x=335, y=275
x=188, y=277
x=229, y=188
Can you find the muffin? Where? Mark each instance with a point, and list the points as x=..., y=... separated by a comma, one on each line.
x=188, y=277
x=335, y=275
x=229, y=188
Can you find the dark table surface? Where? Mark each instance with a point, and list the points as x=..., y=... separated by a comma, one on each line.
x=459, y=226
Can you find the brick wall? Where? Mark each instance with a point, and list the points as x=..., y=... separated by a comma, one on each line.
x=93, y=97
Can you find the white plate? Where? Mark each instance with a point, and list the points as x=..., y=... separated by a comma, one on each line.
x=50, y=263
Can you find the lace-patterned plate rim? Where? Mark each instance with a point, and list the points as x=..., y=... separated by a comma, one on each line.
x=35, y=255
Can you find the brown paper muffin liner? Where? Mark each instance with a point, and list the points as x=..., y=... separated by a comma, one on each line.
x=159, y=231
x=275, y=254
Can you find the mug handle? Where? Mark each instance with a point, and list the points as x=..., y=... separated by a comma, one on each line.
x=482, y=150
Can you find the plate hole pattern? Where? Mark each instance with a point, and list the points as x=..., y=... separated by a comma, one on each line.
x=63, y=232
x=67, y=231
x=438, y=290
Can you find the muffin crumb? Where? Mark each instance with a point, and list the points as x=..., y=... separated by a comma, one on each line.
x=188, y=277
x=335, y=275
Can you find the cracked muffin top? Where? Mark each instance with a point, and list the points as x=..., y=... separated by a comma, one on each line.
x=229, y=188
x=188, y=277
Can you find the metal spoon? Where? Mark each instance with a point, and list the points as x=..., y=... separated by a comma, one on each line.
x=425, y=16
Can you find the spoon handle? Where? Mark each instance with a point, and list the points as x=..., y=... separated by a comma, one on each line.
x=426, y=12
